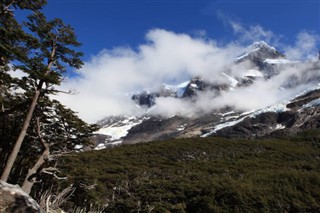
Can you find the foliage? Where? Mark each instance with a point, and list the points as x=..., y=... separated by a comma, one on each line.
x=13, y=38
x=199, y=175
x=60, y=126
x=43, y=50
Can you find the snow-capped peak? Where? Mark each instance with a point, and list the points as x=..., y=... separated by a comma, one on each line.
x=259, y=50
x=260, y=45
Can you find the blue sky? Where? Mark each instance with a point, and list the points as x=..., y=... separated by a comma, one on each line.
x=137, y=45
x=107, y=24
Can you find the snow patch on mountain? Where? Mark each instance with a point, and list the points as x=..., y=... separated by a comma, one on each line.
x=232, y=80
x=194, y=85
x=179, y=89
x=253, y=73
x=181, y=127
x=246, y=54
x=222, y=126
x=279, y=126
x=117, y=130
x=120, y=128
x=281, y=107
x=279, y=61
x=227, y=113
x=250, y=114
x=313, y=103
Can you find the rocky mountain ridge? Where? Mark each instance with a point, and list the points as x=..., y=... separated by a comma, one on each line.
x=288, y=117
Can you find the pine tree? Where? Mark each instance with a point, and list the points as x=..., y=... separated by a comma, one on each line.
x=49, y=52
x=12, y=44
x=12, y=48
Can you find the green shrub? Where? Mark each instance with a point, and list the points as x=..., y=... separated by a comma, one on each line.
x=199, y=175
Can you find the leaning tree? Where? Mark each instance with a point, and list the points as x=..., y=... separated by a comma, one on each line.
x=12, y=49
x=49, y=51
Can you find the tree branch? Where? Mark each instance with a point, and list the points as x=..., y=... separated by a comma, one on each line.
x=34, y=171
x=70, y=92
x=52, y=171
x=6, y=8
x=43, y=142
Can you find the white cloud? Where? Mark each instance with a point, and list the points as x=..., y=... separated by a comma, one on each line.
x=105, y=84
x=248, y=34
x=252, y=33
x=305, y=46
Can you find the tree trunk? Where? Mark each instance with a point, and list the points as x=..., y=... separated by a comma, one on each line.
x=13, y=155
x=29, y=181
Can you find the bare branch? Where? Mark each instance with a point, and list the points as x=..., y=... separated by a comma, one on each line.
x=43, y=142
x=52, y=171
x=70, y=92
x=6, y=8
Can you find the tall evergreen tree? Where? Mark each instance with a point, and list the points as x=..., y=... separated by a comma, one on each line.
x=50, y=50
x=12, y=49
x=12, y=43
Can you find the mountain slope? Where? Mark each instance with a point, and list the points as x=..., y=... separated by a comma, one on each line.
x=200, y=175
x=301, y=113
x=262, y=66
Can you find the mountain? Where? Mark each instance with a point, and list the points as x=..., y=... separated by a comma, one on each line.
x=288, y=118
x=114, y=129
x=266, y=65
x=258, y=52
x=197, y=84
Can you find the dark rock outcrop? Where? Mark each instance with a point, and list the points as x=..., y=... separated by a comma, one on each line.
x=302, y=113
x=14, y=200
x=197, y=84
x=304, y=99
x=260, y=126
x=145, y=99
x=155, y=128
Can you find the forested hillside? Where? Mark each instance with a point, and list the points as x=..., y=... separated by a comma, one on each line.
x=199, y=175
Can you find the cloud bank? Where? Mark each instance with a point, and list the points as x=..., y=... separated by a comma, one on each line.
x=106, y=83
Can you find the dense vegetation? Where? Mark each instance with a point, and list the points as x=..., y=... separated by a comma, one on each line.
x=200, y=175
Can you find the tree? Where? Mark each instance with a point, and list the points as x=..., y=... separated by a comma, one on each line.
x=13, y=38
x=49, y=46
x=12, y=48
x=58, y=130
x=11, y=32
